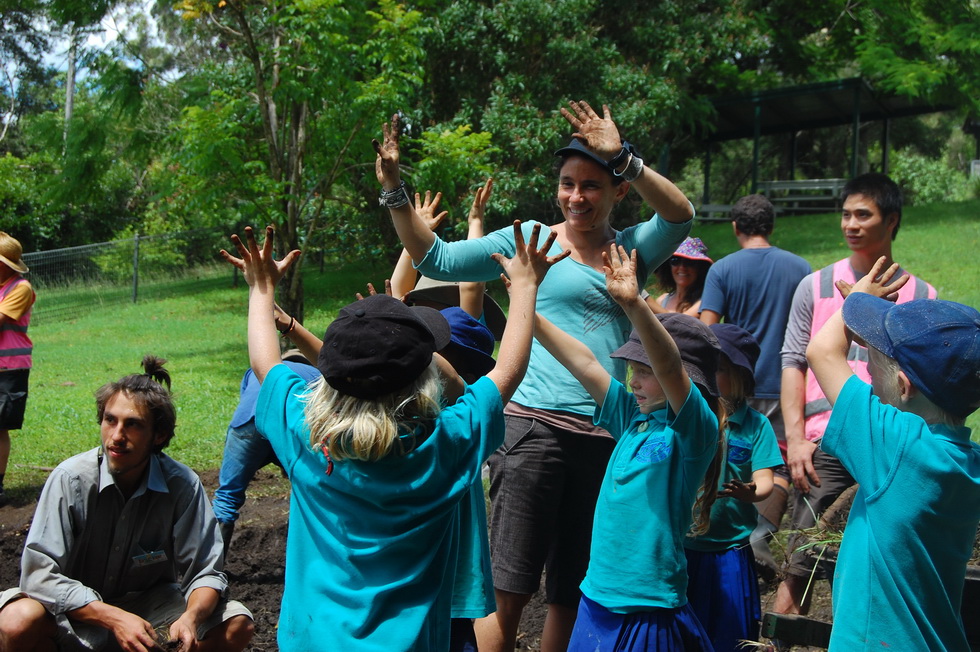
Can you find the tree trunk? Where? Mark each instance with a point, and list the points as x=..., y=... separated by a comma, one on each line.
x=70, y=84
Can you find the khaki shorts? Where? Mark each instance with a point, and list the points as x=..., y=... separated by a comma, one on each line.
x=160, y=606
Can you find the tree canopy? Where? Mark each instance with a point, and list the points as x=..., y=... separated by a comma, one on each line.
x=232, y=112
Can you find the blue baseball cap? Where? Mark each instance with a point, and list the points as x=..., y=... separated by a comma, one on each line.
x=470, y=343
x=935, y=342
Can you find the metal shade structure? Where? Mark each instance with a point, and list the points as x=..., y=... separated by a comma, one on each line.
x=811, y=106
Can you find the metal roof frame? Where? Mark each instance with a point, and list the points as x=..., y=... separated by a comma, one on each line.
x=810, y=106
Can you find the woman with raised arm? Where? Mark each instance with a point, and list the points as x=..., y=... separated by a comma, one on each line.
x=546, y=476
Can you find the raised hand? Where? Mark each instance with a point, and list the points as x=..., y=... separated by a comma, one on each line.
x=876, y=282
x=259, y=266
x=480, y=200
x=427, y=209
x=386, y=163
x=620, y=270
x=598, y=134
x=530, y=263
x=372, y=291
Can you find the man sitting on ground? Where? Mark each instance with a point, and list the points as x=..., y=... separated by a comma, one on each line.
x=124, y=546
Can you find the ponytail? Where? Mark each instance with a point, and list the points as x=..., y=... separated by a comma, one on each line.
x=701, y=512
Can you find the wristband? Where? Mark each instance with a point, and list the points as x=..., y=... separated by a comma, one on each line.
x=395, y=198
x=289, y=329
x=634, y=168
x=620, y=158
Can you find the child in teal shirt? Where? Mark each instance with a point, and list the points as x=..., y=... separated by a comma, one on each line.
x=901, y=567
x=377, y=464
x=722, y=587
x=662, y=475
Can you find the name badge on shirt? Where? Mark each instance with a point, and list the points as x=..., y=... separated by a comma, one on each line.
x=154, y=557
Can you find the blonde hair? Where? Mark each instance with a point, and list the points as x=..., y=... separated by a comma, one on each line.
x=372, y=429
x=701, y=512
x=929, y=411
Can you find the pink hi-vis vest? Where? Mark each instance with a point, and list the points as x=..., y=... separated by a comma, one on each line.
x=826, y=301
x=15, y=345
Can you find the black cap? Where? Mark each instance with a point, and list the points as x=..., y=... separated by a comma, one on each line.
x=379, y=345
x=577, y=148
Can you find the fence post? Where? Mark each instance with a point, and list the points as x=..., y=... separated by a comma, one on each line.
x=136, y=265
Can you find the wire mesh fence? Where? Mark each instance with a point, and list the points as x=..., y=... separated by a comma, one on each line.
x=73, y=281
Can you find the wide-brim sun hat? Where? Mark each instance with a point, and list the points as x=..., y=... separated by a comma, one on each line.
x=739, y=345
x=935, y=342
x=11, y=253
x=447, y=293
x=693, y=249
x=379, y=345
x=698, y=346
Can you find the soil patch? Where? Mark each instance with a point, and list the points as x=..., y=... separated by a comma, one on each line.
x=256, y=563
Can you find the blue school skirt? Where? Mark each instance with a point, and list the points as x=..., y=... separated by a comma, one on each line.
x=661, y=630
x=723, y=590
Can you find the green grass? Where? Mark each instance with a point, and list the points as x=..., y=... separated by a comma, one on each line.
x=937, y=242
x=203, y=336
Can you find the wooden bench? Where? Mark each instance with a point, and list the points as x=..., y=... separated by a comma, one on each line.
x=804, y=195
x=713, y=213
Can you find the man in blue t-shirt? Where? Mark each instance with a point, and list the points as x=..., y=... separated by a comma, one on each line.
x=753, y=288
x=900, y=573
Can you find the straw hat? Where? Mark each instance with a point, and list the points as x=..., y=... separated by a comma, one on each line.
x=10, y=253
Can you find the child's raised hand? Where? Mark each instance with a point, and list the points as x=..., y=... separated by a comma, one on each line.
x=426, y=208
x=744, y=491
x=876, y=282
x=480, y=200
x=258, y=265
x=620, y=270
x=372, y=291
x=530, y=263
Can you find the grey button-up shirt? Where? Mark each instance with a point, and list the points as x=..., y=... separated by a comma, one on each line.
x=87, y=542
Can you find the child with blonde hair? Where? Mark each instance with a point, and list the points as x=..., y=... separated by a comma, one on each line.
x=377, y=465
x=900, y=572
x=661, y=478
x=722, y=586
